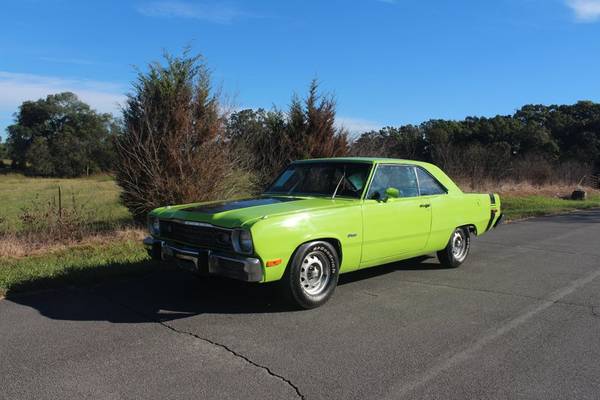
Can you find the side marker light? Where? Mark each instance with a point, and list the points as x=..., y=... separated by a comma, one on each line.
x=273, y=263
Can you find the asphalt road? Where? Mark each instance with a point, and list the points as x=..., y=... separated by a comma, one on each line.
x=521, y=319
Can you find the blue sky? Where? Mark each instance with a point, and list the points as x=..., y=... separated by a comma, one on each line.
x=389, y=62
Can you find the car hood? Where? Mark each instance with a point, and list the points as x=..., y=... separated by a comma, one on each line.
x=237, y=213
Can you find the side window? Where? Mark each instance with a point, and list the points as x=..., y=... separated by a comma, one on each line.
x=428, y=185
x=399, y=177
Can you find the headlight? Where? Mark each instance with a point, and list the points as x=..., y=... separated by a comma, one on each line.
x=154, y=226
x=242, y=241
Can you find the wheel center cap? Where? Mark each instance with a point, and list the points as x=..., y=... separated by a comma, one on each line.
x=314, y=272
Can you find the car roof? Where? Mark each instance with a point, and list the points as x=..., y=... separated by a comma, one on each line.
x=432, y=169
x=370, y=160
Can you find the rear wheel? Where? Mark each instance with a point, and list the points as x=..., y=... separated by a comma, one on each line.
x=312, y=276
x=457, y=249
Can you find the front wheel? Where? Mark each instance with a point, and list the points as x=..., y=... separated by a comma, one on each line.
x=457, y=249
x=312, y=275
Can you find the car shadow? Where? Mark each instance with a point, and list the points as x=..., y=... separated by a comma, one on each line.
x=168, y=294
x=412, y=264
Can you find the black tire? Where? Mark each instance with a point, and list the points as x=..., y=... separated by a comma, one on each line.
x=155, y=252
x=312, y=275
x=457, y=249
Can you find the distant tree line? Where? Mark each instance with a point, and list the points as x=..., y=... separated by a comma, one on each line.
x=537, y=143
x=61, y=136
x=176, y=141
x=3, y=153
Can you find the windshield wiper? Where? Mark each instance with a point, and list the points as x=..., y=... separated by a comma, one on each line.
x=293, y=188
x=339, y=183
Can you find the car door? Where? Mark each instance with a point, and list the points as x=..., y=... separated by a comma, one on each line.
x=394, y=226
x=443, y=211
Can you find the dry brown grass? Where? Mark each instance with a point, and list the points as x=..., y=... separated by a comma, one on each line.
x=520, y=189
x=15, y=246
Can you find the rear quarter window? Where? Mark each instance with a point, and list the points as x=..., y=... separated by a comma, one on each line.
x=428, y=185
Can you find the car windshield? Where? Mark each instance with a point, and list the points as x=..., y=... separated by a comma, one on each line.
x=322, y=179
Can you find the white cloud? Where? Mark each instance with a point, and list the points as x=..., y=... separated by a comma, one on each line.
x=15, y=88
x=585, y=10
x=356, y=126
x=221, y=13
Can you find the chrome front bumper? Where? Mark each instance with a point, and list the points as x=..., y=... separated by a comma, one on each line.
x=207, y=262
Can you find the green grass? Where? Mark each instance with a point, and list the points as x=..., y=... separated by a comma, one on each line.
x=532, y=206
x=77, y=266
x=99, y=195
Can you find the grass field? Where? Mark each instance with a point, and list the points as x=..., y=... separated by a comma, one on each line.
x=98, y=195
x=117, y=254
x=516, y=207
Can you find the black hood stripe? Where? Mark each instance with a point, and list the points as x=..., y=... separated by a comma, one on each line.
x=216, y=208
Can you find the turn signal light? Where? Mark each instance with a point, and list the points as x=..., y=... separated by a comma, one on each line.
x=272, y=263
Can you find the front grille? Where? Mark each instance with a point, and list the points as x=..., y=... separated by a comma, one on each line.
x=209, y=237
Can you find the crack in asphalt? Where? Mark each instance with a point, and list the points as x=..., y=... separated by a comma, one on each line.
x=590, y=307
x=212, y=342
x=236, y=354
x=570, y=303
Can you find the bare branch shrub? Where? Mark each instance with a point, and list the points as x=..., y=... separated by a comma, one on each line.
x=405, y=142
x=475, y=163
x=172, y=150
x=257, y=138
x=266, y=141
x=371, y=144
x=311, y=131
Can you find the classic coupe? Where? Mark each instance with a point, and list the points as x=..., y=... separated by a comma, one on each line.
x=325, y=217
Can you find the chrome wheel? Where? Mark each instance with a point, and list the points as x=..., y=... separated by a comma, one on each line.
x=314, y=273
x=460, y=245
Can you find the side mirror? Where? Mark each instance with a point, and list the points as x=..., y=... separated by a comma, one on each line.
x=392, y=193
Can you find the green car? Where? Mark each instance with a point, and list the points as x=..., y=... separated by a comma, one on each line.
x=324, y=217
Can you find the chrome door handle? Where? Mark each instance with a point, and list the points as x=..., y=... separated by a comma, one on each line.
x=425, y=205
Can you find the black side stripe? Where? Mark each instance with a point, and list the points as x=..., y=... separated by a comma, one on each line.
x=492, y=215
x=492, y=199
x=498, y=221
